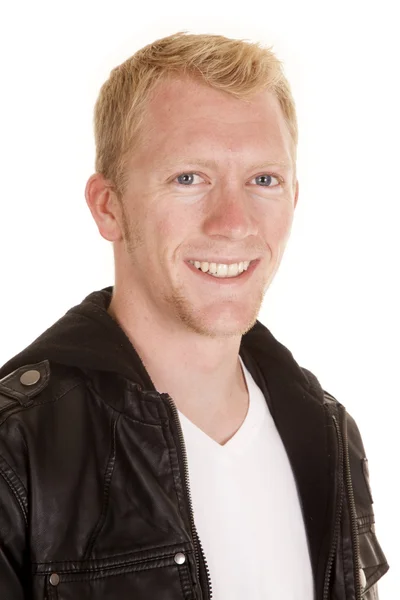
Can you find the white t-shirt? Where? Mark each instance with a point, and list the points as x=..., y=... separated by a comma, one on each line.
x=247, y=510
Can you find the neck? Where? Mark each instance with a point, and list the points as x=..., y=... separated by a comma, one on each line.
x=201, y=374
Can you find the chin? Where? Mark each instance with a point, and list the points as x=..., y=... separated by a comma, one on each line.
x=221, y=323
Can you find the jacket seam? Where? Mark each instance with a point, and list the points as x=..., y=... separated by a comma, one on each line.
x=61, y=395
x=180, y=575
x=380, y=570
x=341, y=554
x=107, y=484
x=97, y=563
x=109, y=406
x=169, y=549
x=21, y=501
x=328, y=417
x=364, y=523
x=181, y=582
x=101, y=574
x=366, y=520
x=182, y=508
x=40, y=402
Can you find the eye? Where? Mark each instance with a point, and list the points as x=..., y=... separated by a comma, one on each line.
x=267, y=180
x=187, y=178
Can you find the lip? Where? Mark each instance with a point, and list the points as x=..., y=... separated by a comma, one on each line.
x=224, y=261
x=226, y=281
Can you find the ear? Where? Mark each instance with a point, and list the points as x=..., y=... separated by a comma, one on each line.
x=104, y=206
x=296, y=193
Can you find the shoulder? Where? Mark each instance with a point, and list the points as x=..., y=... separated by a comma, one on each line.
x=24, y=426
x=35, y=384
x=45, y=411
x=34, y=399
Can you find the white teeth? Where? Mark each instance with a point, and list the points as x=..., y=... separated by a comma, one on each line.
x=233, y=270
x=221, y=270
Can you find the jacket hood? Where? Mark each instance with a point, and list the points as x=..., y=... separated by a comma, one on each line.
x=87, y=337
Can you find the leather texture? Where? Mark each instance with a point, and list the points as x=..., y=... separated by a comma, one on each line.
x=93, y=494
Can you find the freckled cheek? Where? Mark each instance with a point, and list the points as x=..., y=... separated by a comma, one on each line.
x=165, y=228
x=277, y=229
x=170, y=232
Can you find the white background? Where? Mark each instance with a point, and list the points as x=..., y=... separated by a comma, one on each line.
x=335, y=300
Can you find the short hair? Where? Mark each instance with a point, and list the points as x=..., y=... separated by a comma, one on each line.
x=238, y=67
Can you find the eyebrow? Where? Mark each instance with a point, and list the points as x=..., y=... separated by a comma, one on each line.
x=212, y=164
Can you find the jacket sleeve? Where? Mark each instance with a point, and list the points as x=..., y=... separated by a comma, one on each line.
x=373, y=563
x=12, y=537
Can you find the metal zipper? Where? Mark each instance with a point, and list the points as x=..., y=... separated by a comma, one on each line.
x=338, y=514
x=198, y=549
x=344, y=460
x=353, y=517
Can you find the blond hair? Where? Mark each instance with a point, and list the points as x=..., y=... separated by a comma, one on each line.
x=237, y=67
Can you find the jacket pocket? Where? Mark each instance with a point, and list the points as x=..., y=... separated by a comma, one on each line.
x=167, y=575
x=373, y=562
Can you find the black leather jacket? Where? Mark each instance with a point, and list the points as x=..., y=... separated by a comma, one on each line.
x=94, y=487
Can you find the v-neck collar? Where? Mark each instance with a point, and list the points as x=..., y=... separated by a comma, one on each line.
x=237, y=444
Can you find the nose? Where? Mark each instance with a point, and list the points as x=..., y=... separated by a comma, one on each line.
x=230, y=213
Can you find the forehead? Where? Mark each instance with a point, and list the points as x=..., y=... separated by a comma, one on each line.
x=183, y=115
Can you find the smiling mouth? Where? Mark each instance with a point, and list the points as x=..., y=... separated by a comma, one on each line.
x=221, y=270
x=225, y=277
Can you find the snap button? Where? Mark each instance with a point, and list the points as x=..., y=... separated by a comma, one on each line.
x=179, y=558
x=54, y=579
x=30, y=377
x=363, y=579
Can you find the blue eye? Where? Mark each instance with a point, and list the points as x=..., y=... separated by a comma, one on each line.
x=187, y=178
x=266, y=180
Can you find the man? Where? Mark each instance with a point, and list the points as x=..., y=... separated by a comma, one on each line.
x=157, y=441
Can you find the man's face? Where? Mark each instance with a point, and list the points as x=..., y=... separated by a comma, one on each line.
x=211, y=180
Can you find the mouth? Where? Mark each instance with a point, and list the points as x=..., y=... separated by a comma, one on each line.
x=221, y=277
